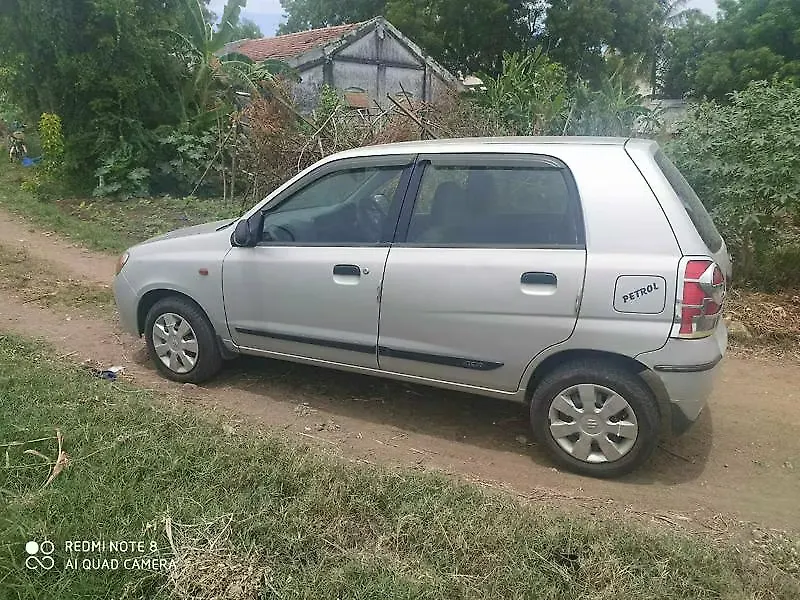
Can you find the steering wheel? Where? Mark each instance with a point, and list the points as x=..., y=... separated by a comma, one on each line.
x=370, y=216
x=279, y=233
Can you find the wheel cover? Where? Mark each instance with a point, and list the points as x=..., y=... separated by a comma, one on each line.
x=593, y=423
x=175, y=343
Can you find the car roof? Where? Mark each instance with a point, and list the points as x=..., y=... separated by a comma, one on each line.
x=487, y=144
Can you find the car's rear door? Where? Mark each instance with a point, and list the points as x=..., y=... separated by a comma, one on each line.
x=486, y=270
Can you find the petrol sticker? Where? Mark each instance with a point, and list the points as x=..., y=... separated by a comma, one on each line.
x=629, y=297
x=640, y=294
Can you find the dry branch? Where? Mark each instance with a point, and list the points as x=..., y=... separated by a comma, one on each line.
x=413, y=117
x=62, y=462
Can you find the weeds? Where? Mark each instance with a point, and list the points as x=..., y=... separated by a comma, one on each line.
x=108, y=225
x=251, y=515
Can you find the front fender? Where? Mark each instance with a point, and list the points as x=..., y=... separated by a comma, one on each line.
x=190, y=266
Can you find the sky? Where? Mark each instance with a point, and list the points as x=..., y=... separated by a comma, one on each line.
x=707, y=6
x=268, y=13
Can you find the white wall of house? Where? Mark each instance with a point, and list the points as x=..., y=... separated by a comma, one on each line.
x=378, y=62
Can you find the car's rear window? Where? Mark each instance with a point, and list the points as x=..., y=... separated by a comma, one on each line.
x=694, y=207
x=479, y=205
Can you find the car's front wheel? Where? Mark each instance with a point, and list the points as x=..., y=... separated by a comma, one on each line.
x=595, y=418
x=181, y=341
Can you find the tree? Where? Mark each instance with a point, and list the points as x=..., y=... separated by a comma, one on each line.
x=213, y=73
x=667, y=15
x=247, y=29
x=197, y=45
x=243, y=28
x=121, y=74
x=464, y=35
x=9, y=112
x=754, y=40
x=100, y=65
x=579, y=33
x=683, y=50
x=311, y=14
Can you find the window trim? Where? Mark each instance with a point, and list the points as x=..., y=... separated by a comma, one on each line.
x=467, y=160
x=404, y=161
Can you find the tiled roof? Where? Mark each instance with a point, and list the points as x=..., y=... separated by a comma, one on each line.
x=292, y=44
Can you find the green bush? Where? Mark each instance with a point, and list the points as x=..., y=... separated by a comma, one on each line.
x=51, y=138
x=189, y=160
x=530, y=94
x=743, y=159
x=119, y=174
x=779, y=269
x=46, y=180
x=614, y=108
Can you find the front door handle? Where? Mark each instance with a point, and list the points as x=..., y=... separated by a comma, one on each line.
x=538, y=278
x=347, y=270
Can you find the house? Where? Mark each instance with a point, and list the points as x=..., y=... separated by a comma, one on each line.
x=366, y=61
x=671, y=112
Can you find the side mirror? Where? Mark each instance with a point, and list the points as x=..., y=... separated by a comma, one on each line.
x=242, y=236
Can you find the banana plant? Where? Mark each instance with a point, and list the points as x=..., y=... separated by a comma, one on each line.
x=212, y=74
x=530, y=94
x=614, y=108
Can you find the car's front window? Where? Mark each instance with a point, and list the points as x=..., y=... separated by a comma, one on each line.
x=346, y=206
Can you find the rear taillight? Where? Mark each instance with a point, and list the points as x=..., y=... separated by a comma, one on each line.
x=701, y=296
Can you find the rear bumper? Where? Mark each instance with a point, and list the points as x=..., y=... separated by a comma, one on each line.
x=684, y=371
x=126, y=301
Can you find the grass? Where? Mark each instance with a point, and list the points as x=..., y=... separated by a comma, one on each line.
x=105, y=224
x=252, y=516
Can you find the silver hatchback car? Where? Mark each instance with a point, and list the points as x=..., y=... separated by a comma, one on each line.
x=581, y=276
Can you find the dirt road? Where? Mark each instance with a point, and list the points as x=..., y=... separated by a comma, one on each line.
x=741, y=460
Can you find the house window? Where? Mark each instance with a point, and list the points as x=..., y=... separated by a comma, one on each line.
x=357, y=98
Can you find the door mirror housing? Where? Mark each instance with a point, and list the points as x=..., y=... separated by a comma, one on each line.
x=242, y=236
x=247, y=232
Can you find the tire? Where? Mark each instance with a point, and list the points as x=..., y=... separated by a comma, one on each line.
x=201, y=358
x=622, y=434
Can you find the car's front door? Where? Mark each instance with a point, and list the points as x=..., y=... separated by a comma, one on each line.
x=486, y=271
x=311, y=286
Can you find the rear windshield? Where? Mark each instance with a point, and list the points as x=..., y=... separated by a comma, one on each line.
x=695, y=209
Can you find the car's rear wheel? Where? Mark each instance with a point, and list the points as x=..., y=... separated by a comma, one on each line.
x=181, y=341
x=595, y=418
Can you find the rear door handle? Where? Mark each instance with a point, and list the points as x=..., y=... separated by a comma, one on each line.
x=347, y=270
x=538, y=278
